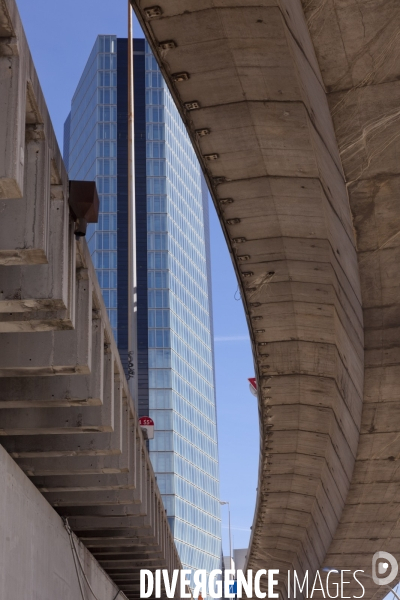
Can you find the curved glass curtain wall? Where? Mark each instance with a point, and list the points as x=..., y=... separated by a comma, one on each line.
x=184, y=451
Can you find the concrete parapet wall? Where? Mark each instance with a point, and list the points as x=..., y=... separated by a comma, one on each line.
x=36, y=557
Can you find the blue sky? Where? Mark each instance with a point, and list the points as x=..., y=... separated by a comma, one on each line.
x=61, y=36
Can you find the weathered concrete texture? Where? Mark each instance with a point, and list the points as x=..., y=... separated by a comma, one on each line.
x=39, y=297
x=35, y=226
x=83, y=448
x=52, y=419
x=22, y=105
x=35, y=549
x=358, y=48
x=296, y=119
x=33, y=450
x=262, y=128
x=66, y=414
x=49, y=353
x=13, y=88
x=33, y=208
x=60, y=390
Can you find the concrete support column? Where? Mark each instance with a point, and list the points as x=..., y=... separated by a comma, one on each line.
x=13, y=88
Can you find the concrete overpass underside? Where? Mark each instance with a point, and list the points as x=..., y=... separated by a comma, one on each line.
x=294, y=111
x=67, y=416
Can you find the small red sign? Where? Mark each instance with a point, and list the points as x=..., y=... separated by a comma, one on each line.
x=146, y=422
x=147, y=427
x=253, y=382
x=253, y=385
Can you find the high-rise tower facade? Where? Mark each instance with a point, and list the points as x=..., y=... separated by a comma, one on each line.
x=174, y=314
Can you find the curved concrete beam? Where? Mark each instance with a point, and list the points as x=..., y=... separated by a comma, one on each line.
x=358, y=49
x=248, y=85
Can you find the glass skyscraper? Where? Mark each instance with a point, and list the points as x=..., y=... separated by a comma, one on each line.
x=90, y=153
x=174, y=314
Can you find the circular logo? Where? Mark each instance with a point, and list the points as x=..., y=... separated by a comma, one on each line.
x=381, y=574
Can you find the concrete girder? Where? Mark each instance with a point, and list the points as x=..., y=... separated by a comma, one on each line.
x=60, y=352
x=123, y=563
x=88, y=444
x=74, y=419
x=116, y=461
x=123, y=551
x=96, y=542
x=110, y=523
x=130, y=534
x=23, y=105
x=131, y=510
x=89, y=481
x=13, y=89
x=120, y=516
x=77, y=490
x=40, y=297
x=42, y=294
x=60, y=390
x=103, y=489
x=35, y=229
x=126, y=551
x=276, y=178
x=16, y=231
x=72, y=445
x=48, y=421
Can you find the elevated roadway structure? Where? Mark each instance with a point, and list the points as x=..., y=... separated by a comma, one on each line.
x=67, y=418
x=294, y=111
